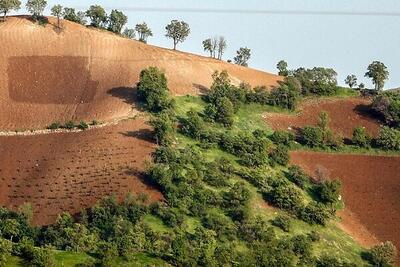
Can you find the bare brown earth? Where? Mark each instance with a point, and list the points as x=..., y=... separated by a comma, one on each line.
x=345, y=114
x=371, y=186
x=80, y=73
x=71, y=171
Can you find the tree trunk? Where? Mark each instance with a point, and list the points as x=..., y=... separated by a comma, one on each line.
x=175, y=42
x=5, y=15
x=58, y=22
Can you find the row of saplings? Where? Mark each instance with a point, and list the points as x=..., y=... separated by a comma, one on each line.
x=253, y=149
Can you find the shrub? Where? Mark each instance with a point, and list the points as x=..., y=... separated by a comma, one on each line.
x=298, y=176
x=318, y=81
x=389, y=139
x=287, y=94
x=302, y=246
x=279, y=155
x=164, y=128
x=314, y=236
x=193, y=125
x=283, y=222
x=312, y=136
x=282, y=137
x=69, y=125
x=83, y=125
x=387, y=104
x=332, y=261
x=383, y=254
x=5, y=251
x=152, y=90
x=54, y=126
x=360, y=137
x=286, y=197
x=329, y=191
x=221, y=111
x=314, y=213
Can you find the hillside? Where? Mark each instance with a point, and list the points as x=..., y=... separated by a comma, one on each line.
x=79, y=73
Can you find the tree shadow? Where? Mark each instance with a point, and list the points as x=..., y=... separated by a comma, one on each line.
x=142, y=176
x=142, y=134
x=368, y=112
x=127, y=94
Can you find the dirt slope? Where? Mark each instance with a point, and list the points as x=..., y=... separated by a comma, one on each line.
x=345, y=114
x=371, y=186
x=48, y=75
x=71, y=171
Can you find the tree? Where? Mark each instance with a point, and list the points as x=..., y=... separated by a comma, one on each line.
x=351, y=80
x=8, y=5
x=282, y=67
x=5, y=251
x=144, y=32
x=378, y=72
x=360, y=137
x=329, y=191
x=222, y=45
x=57, y=11
x=152, y=90
x=117, y=20
x=242, y=56
x=208, y=46
x=97, y=15
x=36, y=7
x=81, y=17
x=129, y=33
x=177, y=31
x=383, y=255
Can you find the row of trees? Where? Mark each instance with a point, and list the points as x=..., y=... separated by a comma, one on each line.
x=377, y=71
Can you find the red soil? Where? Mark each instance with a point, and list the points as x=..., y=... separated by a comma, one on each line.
x=344, y=114
x=71, y=171
x=79, y=73
x=371, y=186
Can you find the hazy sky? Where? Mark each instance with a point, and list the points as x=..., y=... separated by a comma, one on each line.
x=346, y=43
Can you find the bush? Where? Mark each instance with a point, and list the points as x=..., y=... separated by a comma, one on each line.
x=69, y=125
x=286, y=197
x=389, y=139
x=221, y=111
x=360, y=137
x=193, y=125
x=282, y=137
x=287, y=94
x=314, y=236
x=383, y=254
x=164, y=128
x=332, y=261
x=279, y=155
x=5, y=251
x=387, y=104
x=314, y=213
x=283, y=222
x=318, y=81
x=329, y=191
x=83, y=125
x=152, y=90
x=312, y=136
x=54, y=126
x=298, y=176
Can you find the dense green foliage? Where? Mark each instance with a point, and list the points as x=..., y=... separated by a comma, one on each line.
x=383, y=255
x=242, y=56
x=389, y=139
x=378, y=72
x=387, y=104
x=9, y=5
x=152, y=90
x=178, y=31
x=317, y=81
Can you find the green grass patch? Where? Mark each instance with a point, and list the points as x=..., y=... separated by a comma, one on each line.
x=155, y=223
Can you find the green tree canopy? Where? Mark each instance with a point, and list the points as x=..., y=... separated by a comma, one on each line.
x=378, y=72
x=282, y=68
x=117, y=20
x=242, y=56
x=97, y=15
x=143, y=31
x=36, y=7
x=351, y=80
x=9, y=5
x=57, y=11
x=178, y=31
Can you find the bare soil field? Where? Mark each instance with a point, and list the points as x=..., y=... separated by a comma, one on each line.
x=79, y=73
x=371, y=191
x=345, y=114
x=71, y=171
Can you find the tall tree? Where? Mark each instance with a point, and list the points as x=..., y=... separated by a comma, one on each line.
x=36, y=7
x=207, y=46
x=282, y=68
x=117, y=20
x=178, y=31
x=129, y=33
x=8, y=5
x=351, y=80
x=97, y=15
x=222, y=45
x=57, y=11
x=144, y=31
x=378, y=72
x=242, y=56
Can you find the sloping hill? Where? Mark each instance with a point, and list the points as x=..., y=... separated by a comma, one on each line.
x=79, y=73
